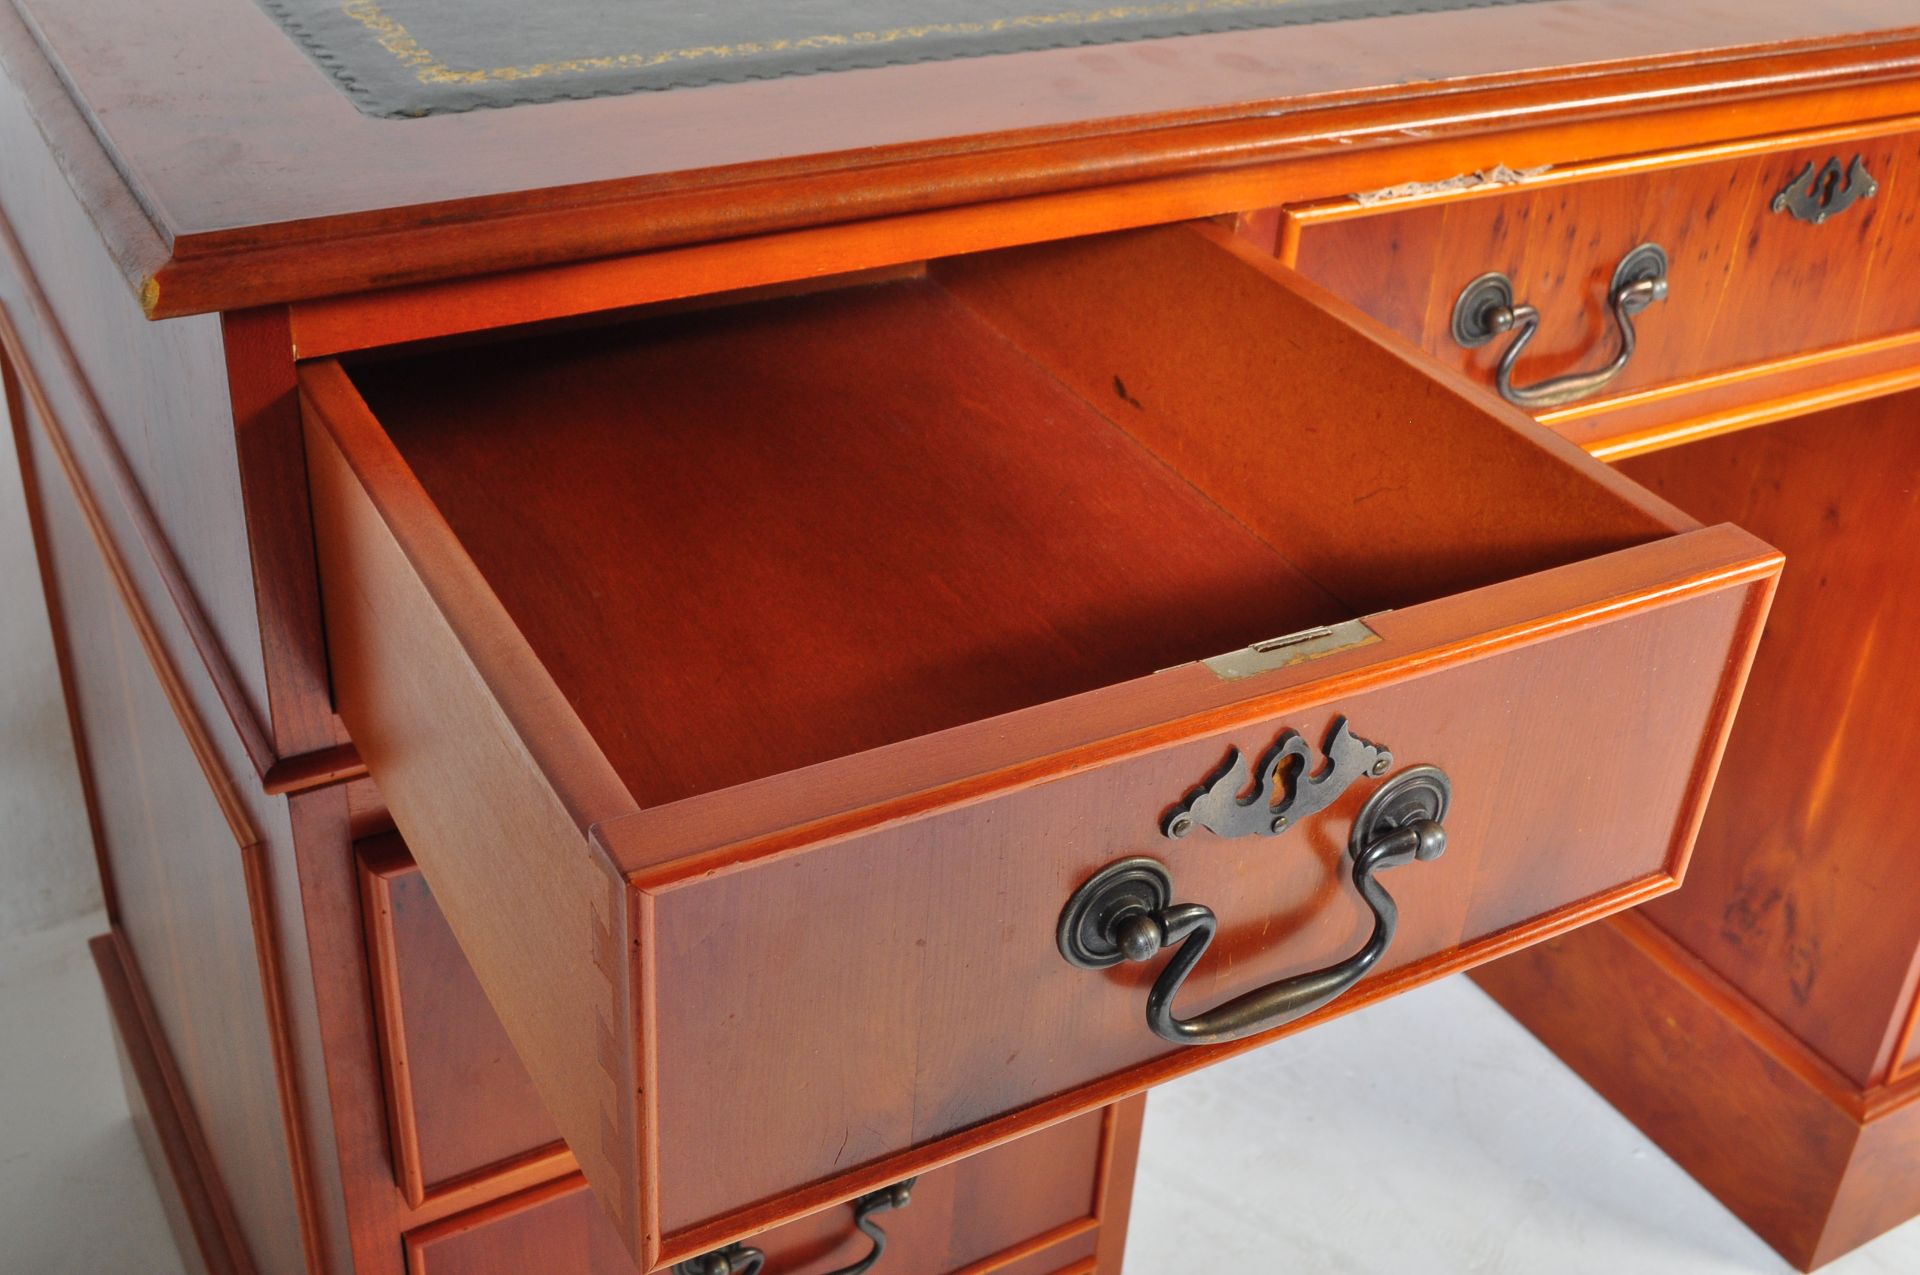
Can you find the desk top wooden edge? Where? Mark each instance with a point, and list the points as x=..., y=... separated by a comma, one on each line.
x=219, y=190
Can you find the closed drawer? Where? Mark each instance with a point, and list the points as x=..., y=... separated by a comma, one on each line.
x=460, y=1106
x=755, y=687
x=1784, y=277
x=1034, y=1206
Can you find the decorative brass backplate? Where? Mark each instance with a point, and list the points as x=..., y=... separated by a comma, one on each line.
x=1814, y=197
x=1218, y=806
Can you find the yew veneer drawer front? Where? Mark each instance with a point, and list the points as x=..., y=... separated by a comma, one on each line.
x=1031, y=1207
x=460, y=1105
x=1773, y=256
x=756, y=687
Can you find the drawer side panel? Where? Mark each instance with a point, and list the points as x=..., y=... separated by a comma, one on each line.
x=1801, y=896
x=536, y=912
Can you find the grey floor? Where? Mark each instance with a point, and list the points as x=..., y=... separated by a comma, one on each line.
x=75, y=1198
x=1426, y=1135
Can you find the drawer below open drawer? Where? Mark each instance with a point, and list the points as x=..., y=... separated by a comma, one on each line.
x=756, y=686
x=461, y=1110
x=1044, y=1204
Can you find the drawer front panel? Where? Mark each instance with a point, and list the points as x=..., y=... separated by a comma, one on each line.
x=459, y=1101
x=911, y=976
x=1042, y=1193
x=1748, y=285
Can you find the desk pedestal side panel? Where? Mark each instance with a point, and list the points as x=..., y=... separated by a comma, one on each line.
x=161, y=390
x=1794, y=941
x=137, y=456
x=1798, y=894
x=179, y=885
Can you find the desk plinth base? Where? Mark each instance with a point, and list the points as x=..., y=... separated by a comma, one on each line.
x=1812, y=1164
x=197, y=1212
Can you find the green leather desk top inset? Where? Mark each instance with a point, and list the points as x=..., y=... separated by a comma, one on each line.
x=425, y=57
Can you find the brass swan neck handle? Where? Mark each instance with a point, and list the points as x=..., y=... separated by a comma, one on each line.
x=744, y=1259
x=1486, y=308
x=1126, y=912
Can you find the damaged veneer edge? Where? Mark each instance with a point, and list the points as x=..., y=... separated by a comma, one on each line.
x=1498, y=175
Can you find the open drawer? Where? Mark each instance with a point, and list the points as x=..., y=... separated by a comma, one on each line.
x=756, y=685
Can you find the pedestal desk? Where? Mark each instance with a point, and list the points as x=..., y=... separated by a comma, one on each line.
x=704, y=643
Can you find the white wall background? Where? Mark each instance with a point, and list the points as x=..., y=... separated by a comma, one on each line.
x=47, y=873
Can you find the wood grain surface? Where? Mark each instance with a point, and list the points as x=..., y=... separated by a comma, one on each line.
x=485, y=603
x=1043, y=1203
x=824, y=525
x=1749, y=285
x=176, y=837
x=467, y=738
x=247, y=178
x=356, y=1127
x=1758, y=1025
x=459, y=1103
x=1385, y=478
x=1791, y=897
x=936, y=692
x=1759, y=1119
